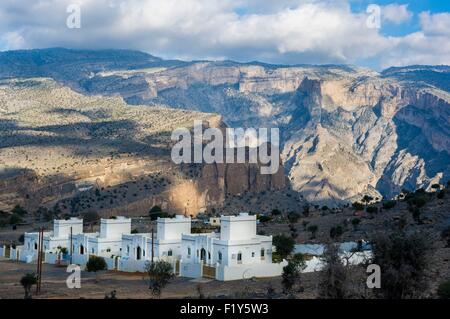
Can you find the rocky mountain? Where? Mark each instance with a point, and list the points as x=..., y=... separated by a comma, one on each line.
x=345, y=130
x=73, y=153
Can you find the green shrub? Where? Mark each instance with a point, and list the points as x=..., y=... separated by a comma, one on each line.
x=444, y=290
x=275, y=212
x=284, y=245
x=372, y=209
x=358, y=206
x=95, y=264
x=264, y=218
x=389, y=204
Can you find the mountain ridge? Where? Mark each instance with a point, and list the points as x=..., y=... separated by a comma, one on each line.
x=343, y=128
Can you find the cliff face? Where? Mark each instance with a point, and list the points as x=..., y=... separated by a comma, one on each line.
x=81, y=153
x=345, y=131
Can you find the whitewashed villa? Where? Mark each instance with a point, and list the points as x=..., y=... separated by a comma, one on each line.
x=237, y=252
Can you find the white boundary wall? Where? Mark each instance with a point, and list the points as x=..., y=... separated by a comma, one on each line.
x=191, y=270
x=225, y=273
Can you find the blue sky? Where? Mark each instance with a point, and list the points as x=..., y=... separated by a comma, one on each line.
x=281, y=31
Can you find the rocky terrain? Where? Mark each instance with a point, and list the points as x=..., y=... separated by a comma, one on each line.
x=73, y=153
x=346, y=131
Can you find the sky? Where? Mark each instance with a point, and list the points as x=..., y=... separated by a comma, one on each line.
x=374, y=34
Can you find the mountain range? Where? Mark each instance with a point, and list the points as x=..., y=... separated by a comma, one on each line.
x=346, y=131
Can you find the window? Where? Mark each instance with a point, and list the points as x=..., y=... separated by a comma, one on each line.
x=253, y=254
x=220, y=256
x=93, y=251
x=209, y=255
x=239, y=257
x=128, y=250
x=35, y=246
x=169, y=253
x=189, y=251
x=262, y=252
x=108, y=250
x=143, y=252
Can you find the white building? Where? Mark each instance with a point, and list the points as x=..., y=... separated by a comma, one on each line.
x=53, y=241
x=106, y=243
x=137, y=249
x=237, y=252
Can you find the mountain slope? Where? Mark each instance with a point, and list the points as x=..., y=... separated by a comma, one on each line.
x=346, y=131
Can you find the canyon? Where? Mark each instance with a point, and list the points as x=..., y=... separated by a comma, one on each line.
x=345, y=131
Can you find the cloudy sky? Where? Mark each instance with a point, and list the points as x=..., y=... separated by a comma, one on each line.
x=274, y=31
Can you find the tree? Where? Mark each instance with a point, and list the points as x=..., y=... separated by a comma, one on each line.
x=19, y=210
x=357, y=206
x=27, y=282
x=289, y=277
x=160, y=273
x=275, y=212
x=404, y=260
x=293, y=217
x=389, y=204
x=355, y=223
x=292, y=272
x=264, y=218
x=15, y=219
x=304, y=224
x=284, y=245
x=155, y=209
x=96, y=264
x=336, y=232
x=333, y=279
x=313, y=230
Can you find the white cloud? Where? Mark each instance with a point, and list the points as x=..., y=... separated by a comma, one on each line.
x=396, y=13
x=287, y=31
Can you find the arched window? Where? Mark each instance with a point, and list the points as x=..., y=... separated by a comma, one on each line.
x=209, y=255
x=81, y=250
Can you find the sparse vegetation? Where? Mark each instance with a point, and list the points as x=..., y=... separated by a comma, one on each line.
x=160, y=274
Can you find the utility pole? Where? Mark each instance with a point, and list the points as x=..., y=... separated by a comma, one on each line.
x=153, y=252
x=38, y=260
x=71, y=245
x=41, y=261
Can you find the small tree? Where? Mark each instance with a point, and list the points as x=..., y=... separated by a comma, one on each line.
x=15, y=219
x=160, y=273
x=404, y=260
x=27, y=283
x=96, y=264
x=291, y=273
x=19, y=210
x=313, y=230
x=355, y=223
x=333, y=282
x=284, y=245
x=275, y=212
x=293, y=217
